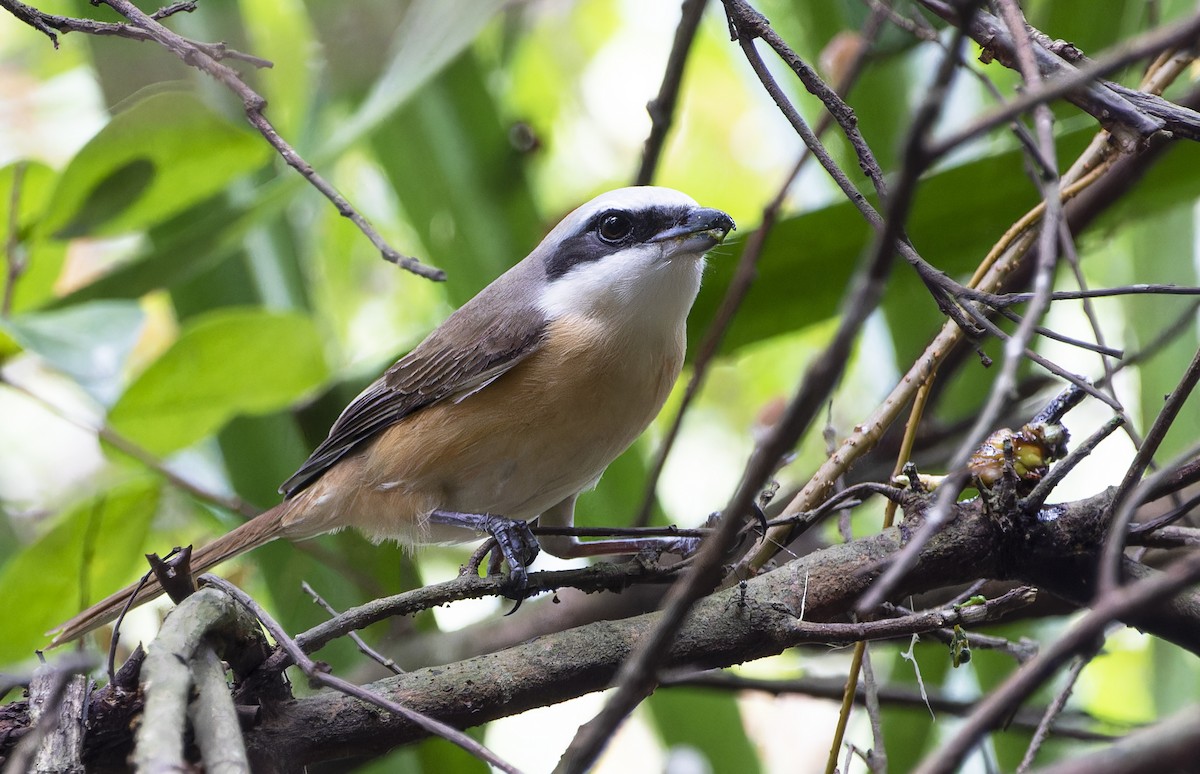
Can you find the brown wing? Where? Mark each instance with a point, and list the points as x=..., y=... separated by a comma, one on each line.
x=464, y=354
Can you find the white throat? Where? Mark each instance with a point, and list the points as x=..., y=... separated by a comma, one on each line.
x=638, y=290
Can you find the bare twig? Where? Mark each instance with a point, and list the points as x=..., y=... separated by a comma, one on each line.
x=1004, y=384
x=743, y=278
x=1171, y=745
x=877, y=755
x=600, y=576
x=662, y=107
x=355, y=637
x=637, y=676
x=1004, y=699
x=206, y=58
x=1115, y=543
x=49, y=24
x=1021, y=651
x=889, y=695
x=1069, y=83
x=1037, y=497
x=1052, y=712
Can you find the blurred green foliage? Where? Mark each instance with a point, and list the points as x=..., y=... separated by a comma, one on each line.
x=183, y=285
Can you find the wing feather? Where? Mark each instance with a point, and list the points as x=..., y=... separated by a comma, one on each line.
x=463, y=355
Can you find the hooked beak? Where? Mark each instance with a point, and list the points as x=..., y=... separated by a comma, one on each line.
x=702, y=229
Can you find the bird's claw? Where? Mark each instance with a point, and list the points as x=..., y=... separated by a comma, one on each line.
x=515, y=541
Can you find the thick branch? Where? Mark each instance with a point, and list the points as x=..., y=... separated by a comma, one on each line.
x=775, y=611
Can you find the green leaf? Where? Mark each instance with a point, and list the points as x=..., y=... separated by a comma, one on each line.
x=30, y=183
x=164, y=153
x=459, y=180
x=433, y=33
x=116, y=192
x=89, y=343
x=229, y=362
x=708, y=721
x=88, y=552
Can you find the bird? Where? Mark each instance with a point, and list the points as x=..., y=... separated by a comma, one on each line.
x=511, y=407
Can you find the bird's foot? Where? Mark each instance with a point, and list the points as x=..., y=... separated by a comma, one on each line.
x=514, y=541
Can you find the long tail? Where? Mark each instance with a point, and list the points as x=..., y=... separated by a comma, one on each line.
x=261, y=529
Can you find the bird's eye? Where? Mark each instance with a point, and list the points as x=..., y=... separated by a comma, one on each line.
x=614, y=226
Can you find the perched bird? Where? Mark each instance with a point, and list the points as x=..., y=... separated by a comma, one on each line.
x=512, y=406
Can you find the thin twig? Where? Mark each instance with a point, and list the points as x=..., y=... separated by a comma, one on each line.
x=1128, y=51
x=600, y=576
x=200, y=57
x=1035, y=499
x=637, y=675
x=743, y=278
x=890, y=695
x=1001, y=701
x=49, y=24
x=1115, y=542
x=1016, y=346
x=1052, y=712
x=877, y=755
x=662, y=107
x=355, y=637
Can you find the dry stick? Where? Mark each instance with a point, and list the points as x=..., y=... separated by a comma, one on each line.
x=317, y=674
x=889, y=515
x=743, y=278
x=186, y=6
x=1143, y=288
x=1140, y=47
x=1034, y=500
x=49, y=23
x=889, y=232
x=1167, y=537
x=1167, y=518
x=1101, y=349
x=636, y=678
x=1114, y=543
x=749, y=23
x=868, y=432
x=1004, y=699
x=662, y=107
x=1020, y=651
x=254, y=104
x=601, y=576
x=1052, y=712
x=1003, y=386
x=937, y=514
x=900, y=200
x=1089, y=311
x=877, y=756
x=1170, y=745
x=1018, y=230
x=890, y=695
x=355, y=637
